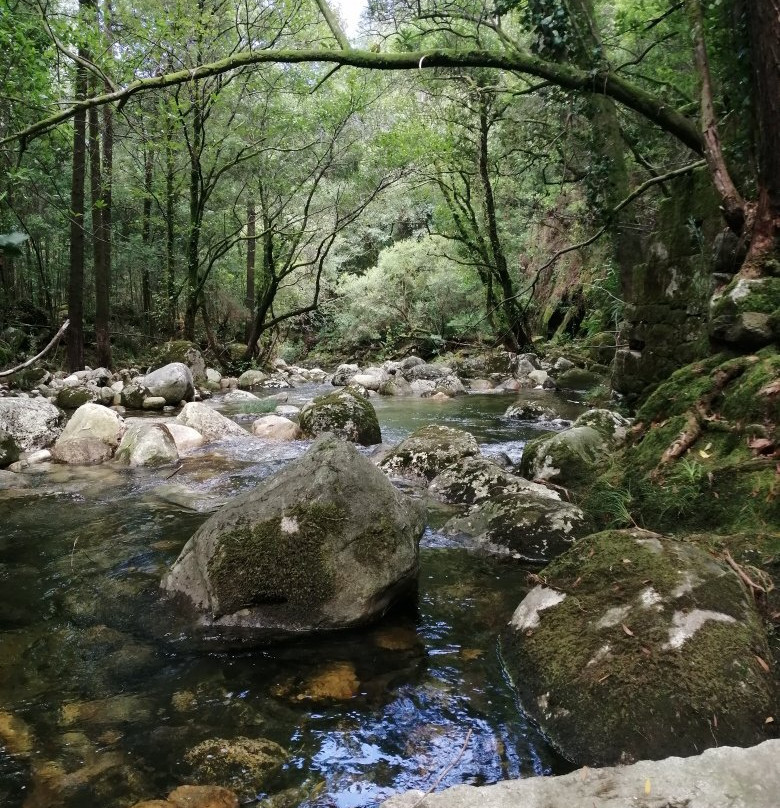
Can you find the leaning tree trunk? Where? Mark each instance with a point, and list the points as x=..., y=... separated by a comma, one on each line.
x=250, y=264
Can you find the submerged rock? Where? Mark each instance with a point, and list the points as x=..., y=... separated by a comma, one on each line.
x=639, y=647
x=33, y=423
x=241, y=764
x=428, y=451
x=345, y=413
x=326, y=543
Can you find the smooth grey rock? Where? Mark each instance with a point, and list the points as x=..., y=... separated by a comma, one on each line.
x=324, y=544
x=275, y=427
x=728, y=777
x=426, y=372
x=147, y=445
x=237, y=396
x=91, y=436
x=172, y=382
x=32, y=423
x=252, y=379
x=210, y=423
x=185, y=437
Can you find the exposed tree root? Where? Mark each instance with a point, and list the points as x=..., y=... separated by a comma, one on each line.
x=699, y=415
x=758, y=589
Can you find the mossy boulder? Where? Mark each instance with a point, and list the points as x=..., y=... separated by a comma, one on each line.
x=475, y=479
x=345, y=413
x=572, y=458
x=578, y=379
x=71, y=398
x=640, y=647
x=243, y=765
x=746, y=315
x=528, y=526
x=185, y=352
x=528, y=410
x=325, y=544
x=430, y=450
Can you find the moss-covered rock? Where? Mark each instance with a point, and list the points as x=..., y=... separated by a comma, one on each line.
x=525, y=525
x=745, y=315
x=728, y=409
x=71, y=398
x=430, y=450
x=638, y=646
x=241, y=764
x=569, y=458
x=184, y=352
x=345, y=413
x=327, y=543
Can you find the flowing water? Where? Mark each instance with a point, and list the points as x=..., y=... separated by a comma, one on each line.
x=102, y=692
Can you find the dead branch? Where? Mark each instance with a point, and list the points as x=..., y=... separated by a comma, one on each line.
x=46, y=350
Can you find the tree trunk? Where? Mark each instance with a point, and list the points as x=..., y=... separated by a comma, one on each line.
x=250, y=264
x=103, y=282
x=196, y=217
x=146, y=240
x=515, y=332
x=99, y=241
x=764, y=36
x=75, y=334
x=170, y=230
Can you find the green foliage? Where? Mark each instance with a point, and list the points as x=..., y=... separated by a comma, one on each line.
x=414, y=292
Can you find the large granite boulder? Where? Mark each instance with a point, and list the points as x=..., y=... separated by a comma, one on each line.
x=210, y=423
x=145, y=444
x=184, y=352
x=172, y=382
x=428, y=451
x=638, y=646
x=9, y=451
x=345, y=413
x=73, y=396
x=33, y=423
x=91, y=436
x=325, y=544
x=276, y=427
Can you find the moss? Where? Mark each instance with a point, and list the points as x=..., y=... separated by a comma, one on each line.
x=430, y=450
x=376, y=544
x=641, y=696
x=345, y=413
x=262, y=564
x=174, y=351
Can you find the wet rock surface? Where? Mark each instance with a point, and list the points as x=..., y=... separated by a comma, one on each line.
x=326, y=543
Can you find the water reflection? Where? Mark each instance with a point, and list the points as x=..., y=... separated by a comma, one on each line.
x=102, y=690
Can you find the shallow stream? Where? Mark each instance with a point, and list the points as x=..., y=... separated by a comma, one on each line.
x=102, y=692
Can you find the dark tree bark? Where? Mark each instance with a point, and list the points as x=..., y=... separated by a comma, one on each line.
x=515, y=332
x=100, y=241
x=75, y=333
x=146, y=240
x=764, y=35
x=250, y=263
x=170, y=228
